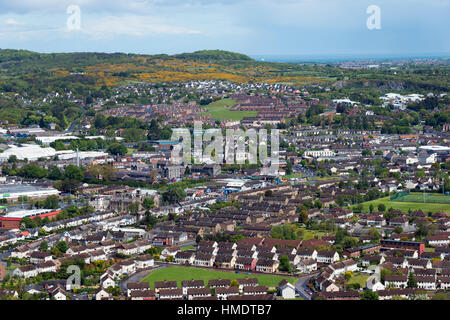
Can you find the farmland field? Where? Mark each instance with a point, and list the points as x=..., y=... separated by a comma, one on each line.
x=188, y=273
x=220, y=110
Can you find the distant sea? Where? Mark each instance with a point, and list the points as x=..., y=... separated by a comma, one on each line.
x=342, y=58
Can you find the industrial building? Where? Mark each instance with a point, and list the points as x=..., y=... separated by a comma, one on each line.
x=13, y=192
x=12, y=219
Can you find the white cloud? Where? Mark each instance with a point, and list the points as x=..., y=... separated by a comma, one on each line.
x=110, y=26
x=11, y=21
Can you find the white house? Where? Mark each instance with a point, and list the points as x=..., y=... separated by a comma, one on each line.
x=374, y=284
x=286, y=290
x=101, y=294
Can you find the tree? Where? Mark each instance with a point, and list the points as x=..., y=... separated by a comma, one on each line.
x=340, y=235
x=43, y=246
x=12, y=158
x=381, y=207
x=371, y=208
x=285, y=264
x=173, y=194
x=234, y=283
x=348, y=275
x=369, y=295
x=288, y=168
x=412, y=282
x=398, y=230
x=51, y=202
x=133, y=207
x=148, y=203
x=73, y=172
x=117, y=149
x=303, y=217
x=32, y=171
x=374, y=234
x=27, y=223
x=62, y=246
x=350, y=242
x=55, y=174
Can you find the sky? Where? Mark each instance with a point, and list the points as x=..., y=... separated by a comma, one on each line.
x=253, y=27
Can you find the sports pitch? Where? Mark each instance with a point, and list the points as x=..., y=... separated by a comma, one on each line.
x=424, y=198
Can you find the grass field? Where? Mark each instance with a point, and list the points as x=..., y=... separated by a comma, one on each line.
x=359, y=278
x=187, y=273
x=220, y=110
x=429, y=198
x=311, y=234
x=187, y=248
x=406, y=206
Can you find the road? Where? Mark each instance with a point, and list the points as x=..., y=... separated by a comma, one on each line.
x=301, y=286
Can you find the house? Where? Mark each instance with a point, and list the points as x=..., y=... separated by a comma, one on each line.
x=191, y=284
x=342, y=295
x=136, y=286
x=426, y=282
x=193, y=293
x=395, y=281
x=184, y=257
x=243, y=263
x=399, y=262
x=34, y=289
x=325, y=256
x=107, y=282
x=307, y=265
x=170, y=294
x=143, y=295
x=374, y=284
x=307, y=253
x=20, y=252
x=269, y=266
x=127, y=249
x=144, y=245
x=443, y=283
x=286, y=290
x=403, y=293
x=223, y=293
x=165, y=285
x=145, y=262
x=254, y=290
x=59, y=294
x=97, y=255
x=247, y=282
x=48, y=266
x=101, y=294
x=399, y=222
x=204, y=260
x=219, y=283
x=225, y=262
x=328, y=286
x=26, y=271
x=40, y=257
x=419, y=263
x=169, y=251
x=438, y=240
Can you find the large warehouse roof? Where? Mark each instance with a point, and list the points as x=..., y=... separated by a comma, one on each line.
x=27, y=151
